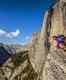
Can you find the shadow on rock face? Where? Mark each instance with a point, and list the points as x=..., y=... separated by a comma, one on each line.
x=4, y=55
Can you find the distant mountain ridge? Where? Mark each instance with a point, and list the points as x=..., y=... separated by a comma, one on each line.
x=6, y=52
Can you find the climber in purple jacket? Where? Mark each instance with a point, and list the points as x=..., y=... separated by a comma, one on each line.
x=58, y=41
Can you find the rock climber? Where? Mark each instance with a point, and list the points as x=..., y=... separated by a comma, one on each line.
x=58, y=41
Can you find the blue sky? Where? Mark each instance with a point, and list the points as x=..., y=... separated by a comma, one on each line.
x=25, y=16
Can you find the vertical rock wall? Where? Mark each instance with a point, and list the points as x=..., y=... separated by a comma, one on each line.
x=53, y=25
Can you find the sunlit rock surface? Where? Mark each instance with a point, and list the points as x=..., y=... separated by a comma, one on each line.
x=55, y=66
x=40, y=61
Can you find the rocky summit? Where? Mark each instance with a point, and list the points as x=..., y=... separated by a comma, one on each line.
x=41, y=60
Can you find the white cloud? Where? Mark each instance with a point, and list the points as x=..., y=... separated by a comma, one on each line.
x=15, y=34
x=2, y=32
x=9, y=34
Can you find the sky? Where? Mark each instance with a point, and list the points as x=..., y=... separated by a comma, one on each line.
x=20, y=18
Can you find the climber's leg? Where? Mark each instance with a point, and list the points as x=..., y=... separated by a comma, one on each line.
x=61, y=45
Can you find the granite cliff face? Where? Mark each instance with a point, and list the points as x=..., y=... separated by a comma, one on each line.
x=49, y=62
x=41, y=61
